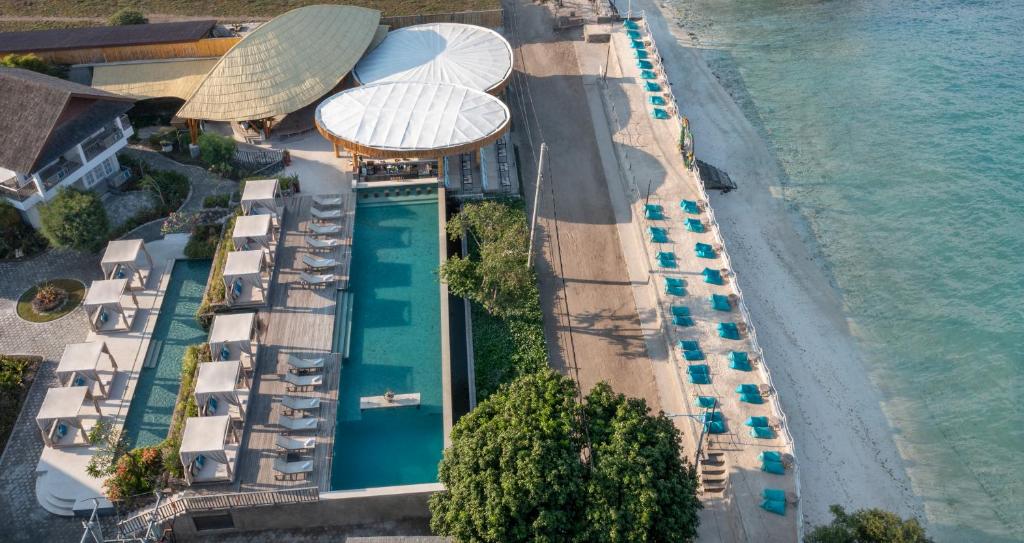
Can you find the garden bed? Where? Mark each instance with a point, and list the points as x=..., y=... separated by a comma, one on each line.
x=73, y=293
x=16, y=375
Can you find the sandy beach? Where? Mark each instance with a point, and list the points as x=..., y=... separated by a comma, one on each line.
x=844, y=443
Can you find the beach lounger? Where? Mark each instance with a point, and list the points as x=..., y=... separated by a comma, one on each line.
x=699, y=379
x=658, y=235
x=648, y=74
x=666, y=259
x=630, y=24
x=294, y=403
x=325, y=214
x=696, y=369
x=296, y=382
x=711, y=416
x=762, y=432
x=640, y=53
x=317, y=280
x=656, y=100
x=688, y=345
x=715, y=427
x=694, y=225
x=644, y=64
x=704, y=250
x=324, y=229
x=707, y=402
x=774, y=506
x=720, y=303
x=776, y=468
x=305, y=364
x=739, y=361
x=637, y=44
x=774, y=494
x=660, y=114
x=292, y=444
x=728, y=330
x=292, y=470
x=693, y=355
x=317, y=263
x=654, y=212
x=323, y=200
x=713, y=277
x=323, y=244
x=756, y=422
x=680, y=320
x=651, y=86
x=633, y=34
x=689, y=206
x=770, y=456
x=675, y=286
x=747, y=388
x=298, y=424
x=755, y=399
x=681, y=311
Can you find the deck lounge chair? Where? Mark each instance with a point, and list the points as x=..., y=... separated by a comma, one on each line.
x=292, y=444
x=322, y=244
x=303, y=381
x=660, y=114
x=648, y=74
x=293, y=403
x=689, y=206
x=317, y=280
x=675, y=286
x=713, y=277
x=707, y=402
x=633, y=34
x=739, y=361
x=640, y=53
x=656, y=100
x=292, y=470
x=644, y=64
x=704, y=250
x=720, y=303
x=317, y=263
x=688, y=345
x=728, y=330
x=324, y=229
x=325, y=214
x=658, y=234
x=694, y=225
x=651, y=86
x=323, y=200
x=297, y=363
x=298, y=424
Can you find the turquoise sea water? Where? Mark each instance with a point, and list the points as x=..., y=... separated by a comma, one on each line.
x=149, y=416
x=900, y=129
x=395, y=344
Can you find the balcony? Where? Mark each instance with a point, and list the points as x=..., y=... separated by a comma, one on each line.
x=95, y=145
x=53, y=174
x=9, y=189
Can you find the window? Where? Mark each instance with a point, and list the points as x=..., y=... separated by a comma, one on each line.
x=214, y=522
x=108, y=166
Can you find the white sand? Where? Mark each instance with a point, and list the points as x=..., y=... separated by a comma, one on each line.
x=844, y=443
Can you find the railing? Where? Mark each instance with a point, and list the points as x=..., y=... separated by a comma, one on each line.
x=9, y=188
x=179, y=505
x=52, y=175
x=261, y=161
x=95, y=145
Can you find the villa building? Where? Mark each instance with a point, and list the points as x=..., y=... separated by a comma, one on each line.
x=54, y=134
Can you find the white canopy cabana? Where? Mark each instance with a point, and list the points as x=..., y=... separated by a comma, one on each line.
x=87, y=364
x=105, y=306
x=261, y=197
x=246, y=278
x=253, y=232
x=209, y=450
x=234, y=336
x=222, y=389
x=63, y=409
x=127, y=259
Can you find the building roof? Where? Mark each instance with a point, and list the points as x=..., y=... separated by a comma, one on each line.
x=243, y=263
x=251, y=226
x=166, y=78
x=42, y=117
x=214, y=377
x=284, y=64
x=412, y=119
x=204, y=434
x=460, y=54
x=232, y=327
x=62, y=403
x=35, y=41
x=122, y=251
x=107, y=291
x=80, y=357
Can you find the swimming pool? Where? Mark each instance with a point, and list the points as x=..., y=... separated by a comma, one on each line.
x=395, y=344
x=156, y=392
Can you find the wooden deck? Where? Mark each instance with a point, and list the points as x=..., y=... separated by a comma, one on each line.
x=299, y=321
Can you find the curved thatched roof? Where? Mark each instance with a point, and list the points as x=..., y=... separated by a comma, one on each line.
x=284, y=64
x=165, y=78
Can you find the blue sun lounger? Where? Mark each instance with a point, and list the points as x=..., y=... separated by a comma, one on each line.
x=770, y=456
x=694, y=369
x=762, y=432
x=648, y=74
x=728, y=330
x=699, y=378
x=689, y=206
x=658, y=235
x=637, y=44
x=656, y=100
x=739, y=361
x=774, y=506
x=640, y=53
x=651, y=86
x=680, y=311
x=704, y=250
x=633, y=34
x=694, y=225
x=694, y=355
x=654, y=212
x=675, y=286
x=755, y=399
x=688, y=345
x=711, y=276
x=720, y=303
x=756, y=422
x=776, y=468
x=711, y=416
x=644, y=64
x=715, y=427
x=630, y=24
x=680, y=320
x=707, y=402
x=660, y=114
x=747, y=388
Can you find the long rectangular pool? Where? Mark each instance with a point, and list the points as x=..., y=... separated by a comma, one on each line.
x=149, y=416
x=395, y=344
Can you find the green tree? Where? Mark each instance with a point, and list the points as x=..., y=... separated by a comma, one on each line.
x=28, y=61
x=74, y=219
x=495, y=274
x=216, y=150
x=127, y=16
x=518, y=469
x=868, y=526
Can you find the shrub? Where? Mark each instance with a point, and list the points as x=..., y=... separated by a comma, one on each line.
x=127, y=16
x=29, y=61
x=157, y=138
x=216, y=150
x=170, y=188
x=48, y=297
x=203, y=241
x=215, y=288
x=868, y=526
x=217, y=200
x=184, y=408
x=74, y=219
x=14, y=384
x=16, y=234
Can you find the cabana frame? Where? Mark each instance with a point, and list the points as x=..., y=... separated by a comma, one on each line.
x=227, y=385
x=261, y=196
x=84, y=362
x=106, y=297
x=254, y=232
x=247, y=278
x=207, y=441
x=64, y=406
x=127, y=259
x=235, y=336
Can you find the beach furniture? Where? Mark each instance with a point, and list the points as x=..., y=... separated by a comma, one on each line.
x=755, y=398
x=694, y=225
x=656, y=100
x=680, y=320
x=325, y=214
x=630, y=24
x=644, y=64
x=693, y=355
x=713, y=277
x=654, y=212
x=681, y=311
x=756, y=422
x=694, y=369
x=774, y=506
x=323, y=200
x=709, y=416
x=317, y=280
x=637, y=44
x=305, y=364
x=688, y=345
x=291, y=444
x=762, y=432
x=633, y=34
x=675, y=286
x=324, y=229
x=747, y=388
x=728, y=330
x=648, y=74
x=666, y=259
x=323, y=244
x=689, y=206
x=739, y=361
x=298, y=424
x=296, y=381
x=707, y=402
x=704, y=250
x=316, y=263
x=651, y=86
x=776, y=468
x=720, y=303
x=293, y=404
x=714, y=422
x=660, y=114
x=285, y=469
x=658, y=234
x=771, y=456
x=640, y=53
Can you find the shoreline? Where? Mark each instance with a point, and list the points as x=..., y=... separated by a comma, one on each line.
x=844, y=443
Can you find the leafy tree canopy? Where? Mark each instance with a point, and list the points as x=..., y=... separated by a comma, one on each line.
x=127, y=16
x=868, y=526
x=216, y=150
x=28, y=61
x=518, y=469
x=74, y=219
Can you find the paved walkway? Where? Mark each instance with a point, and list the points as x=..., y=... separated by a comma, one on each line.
x=24, y=520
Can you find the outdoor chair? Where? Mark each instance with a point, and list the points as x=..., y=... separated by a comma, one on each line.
x=292, y=470
x=298, y=424
x=293, y=404
x=325, y=214
x=317, y=263
x=291, y=444
x=296, y=382
x=328, y=201
x=324, y=229
x=317, y=280
x=305, y=364
x=323, y=244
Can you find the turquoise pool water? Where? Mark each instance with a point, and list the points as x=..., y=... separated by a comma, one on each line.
x=395, y=344
x=149, y=416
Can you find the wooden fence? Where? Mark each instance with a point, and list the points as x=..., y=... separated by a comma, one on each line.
x=206, y=47
x=492, y=18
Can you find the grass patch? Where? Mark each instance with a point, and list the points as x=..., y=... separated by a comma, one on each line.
x=232, y=8
x=75, y=290
x=504, y=349
x=16, y=374
x=28, y=25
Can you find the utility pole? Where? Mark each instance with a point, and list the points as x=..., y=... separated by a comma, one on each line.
x=536, y=199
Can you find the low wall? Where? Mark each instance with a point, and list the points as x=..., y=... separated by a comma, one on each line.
x=492, y=18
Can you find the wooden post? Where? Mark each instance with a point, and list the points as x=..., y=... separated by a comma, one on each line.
x=355, y=163
x=337, y=153
x=479, y=152
x=193, y=130
x=440, y=168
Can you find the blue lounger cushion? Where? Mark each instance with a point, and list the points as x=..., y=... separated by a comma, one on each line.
x=774, y=494
x=752, y=398
x=651, y=86
x=674, y=283
x=698, y=368
x=693, y=355
x=104, y=317
x=681, y=310
x=704, y=250
x=630, y=24
x=675, y=290
x=658, y=234
x=62, y=430
x=637, y=44
x=225, y=353
x=757, y=421
x=770, y=456
x=707, y=402
x=773, y=467
x=200, y=461
x=728, y=330
x=665, y=255
x=680, y=320
x=656, y=100
x=739, y=361
x=720, y=303
x=667, y=263
x=633, y=34
x=715, y=427
x=694, y=225
x=648, y=74
x=654, y=214
x=747, y=388
x=640, y=53
x=712, y=416
x=774, y=506
x=762, y=432
x=711, y=276
x=700, y=379
x=660, y=114
x=689, y=206
x=644, y=64
x=688, y=345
